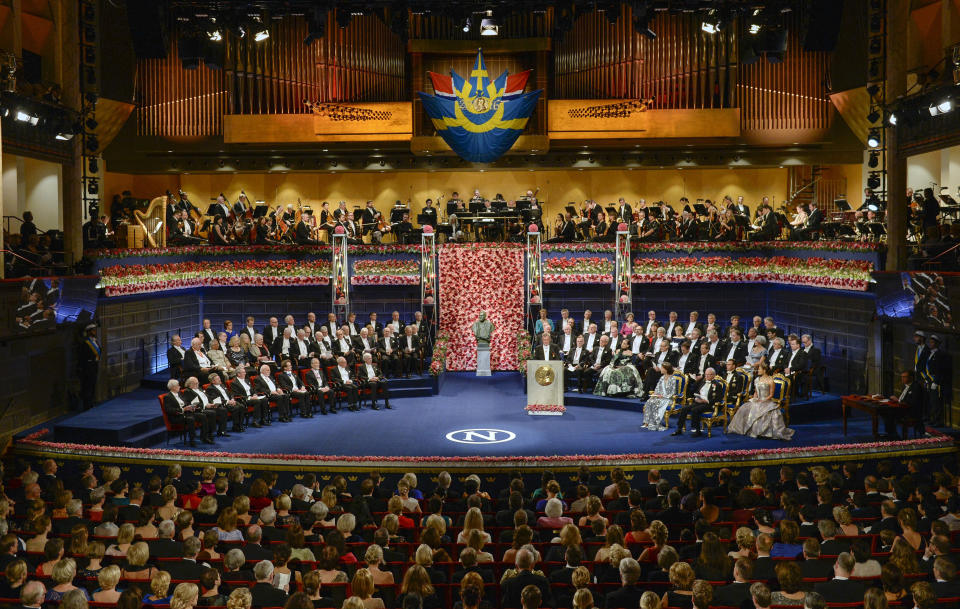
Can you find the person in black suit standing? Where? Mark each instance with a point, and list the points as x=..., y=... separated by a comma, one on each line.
x=706, y=395
x=920, y=353
x=841, y=589
x=624, y=212
x=180, y=413
x=908, y=403
x=263, y=592
x=937, y=381
x=175, y=355
x=89, y=365
x=546, y=350
x=814, y=359
x=513, y=587
x=266, y=386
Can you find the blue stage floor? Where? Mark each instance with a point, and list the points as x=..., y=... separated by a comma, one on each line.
x=418, y=426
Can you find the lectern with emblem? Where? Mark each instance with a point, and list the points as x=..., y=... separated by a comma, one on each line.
x=545, y=387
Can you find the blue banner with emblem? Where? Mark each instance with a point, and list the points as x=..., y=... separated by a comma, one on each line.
x=479, y=118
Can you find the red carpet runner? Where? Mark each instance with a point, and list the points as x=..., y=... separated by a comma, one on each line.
x=474, y=279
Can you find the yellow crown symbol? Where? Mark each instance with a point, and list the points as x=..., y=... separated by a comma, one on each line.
x=137, y=484
x=601, y=476
x=298, y=476
x=708, y=474
x=197, y=472
x=148, y=470
x=326, y=477
x=628, y=476
x=491, y=478
x=462, y=478
x=126, y=468
x=352, y=478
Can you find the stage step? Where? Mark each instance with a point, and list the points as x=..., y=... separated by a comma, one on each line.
x=158, y=381
x=149, y=438
x=596, y=401
x=410, y=392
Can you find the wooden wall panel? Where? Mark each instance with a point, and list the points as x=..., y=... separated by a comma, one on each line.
x=363, y=62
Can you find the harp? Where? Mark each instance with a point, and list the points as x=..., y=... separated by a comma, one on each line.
x=151, y=220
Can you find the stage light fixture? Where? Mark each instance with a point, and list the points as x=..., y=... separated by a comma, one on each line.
x=23, y=116
x=713, y=25
x=873, y=139
x=892, y=119
x=215, y=36
x=873, y=90
x=933, y=110
x=873, y=180
x=91, y=124
x=93, y=166
x=489, y=25
x=93, y=186
x=874, y=160
x=64, y=135
x=261, y=35
x=945, y=106
x=874, y=115
x=466, y=25
x=755, y=28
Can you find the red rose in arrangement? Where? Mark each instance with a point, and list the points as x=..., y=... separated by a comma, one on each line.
x=481, y=277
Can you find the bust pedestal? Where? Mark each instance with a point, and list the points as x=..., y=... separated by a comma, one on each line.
x=483, y=360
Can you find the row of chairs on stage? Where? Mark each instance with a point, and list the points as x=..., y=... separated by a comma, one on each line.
x=364, y=392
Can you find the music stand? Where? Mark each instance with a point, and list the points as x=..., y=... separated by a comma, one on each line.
x=842, y=204
x=523, y=204
x=742, y=221
x=260, y=211
x=877, y=229
x=476, y=207
x=451, y=208
x=427, y=219
x=612, y=213
x=498, y=204
x=700, y=209
x=396, y=214
x=572, y=210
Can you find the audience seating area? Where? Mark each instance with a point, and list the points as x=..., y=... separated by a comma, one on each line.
x=899, y=524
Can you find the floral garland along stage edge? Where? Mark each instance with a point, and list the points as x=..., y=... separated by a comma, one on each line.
x=668, y=246
x=34, y=440
x=141, y=278
x=481, y=277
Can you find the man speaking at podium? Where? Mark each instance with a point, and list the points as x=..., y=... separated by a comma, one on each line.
x=546, y=350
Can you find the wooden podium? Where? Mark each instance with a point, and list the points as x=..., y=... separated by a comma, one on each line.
x=545, y=387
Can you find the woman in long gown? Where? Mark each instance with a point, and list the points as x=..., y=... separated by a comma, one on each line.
x=660, y=399
x=620, y=377
x=760, y=417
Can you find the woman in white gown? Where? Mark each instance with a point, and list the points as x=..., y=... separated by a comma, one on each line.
x=760, y=417
x=656, y=407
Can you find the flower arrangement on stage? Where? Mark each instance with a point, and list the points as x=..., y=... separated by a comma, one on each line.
x=386, y=272
x=524, y=350
x=481, y=277
x=140, y=278
x=593, y=269
x=545, y=408
x=324, y=250
x=438, y=361
x=813, y=272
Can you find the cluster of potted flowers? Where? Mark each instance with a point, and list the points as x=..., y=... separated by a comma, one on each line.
x=592, y=269
x=142, y=278
x=386, y=272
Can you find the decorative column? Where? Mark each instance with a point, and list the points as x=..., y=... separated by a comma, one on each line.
x=898, y=16
x=340, y=277
x=623, y=273
x=428, y=275
x=534, y=272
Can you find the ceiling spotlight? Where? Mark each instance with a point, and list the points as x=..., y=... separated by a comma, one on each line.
x=755, y=28
x=466, y=25
x=933, y=110
x=489, y=25
x=65, y=136
x=945, y=106
x=215, y=35
x=22, y=116
x=710, y=28
x=261, y=35
x=873, y=140
x=892, y=119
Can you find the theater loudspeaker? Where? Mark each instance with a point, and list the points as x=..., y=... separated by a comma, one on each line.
x=821, y=25
x=148, y=29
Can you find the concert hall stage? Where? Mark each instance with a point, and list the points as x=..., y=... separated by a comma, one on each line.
x=420, y=427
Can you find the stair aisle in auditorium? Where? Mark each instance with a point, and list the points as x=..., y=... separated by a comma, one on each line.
x=134, y=419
